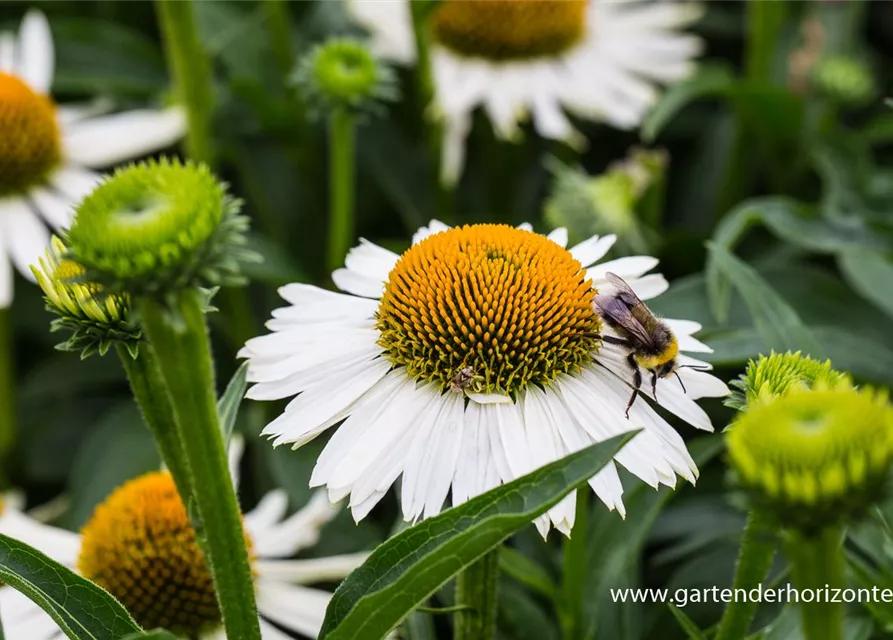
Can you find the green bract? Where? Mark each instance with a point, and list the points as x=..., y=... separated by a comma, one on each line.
x=343, y=74
x=96, y=321
x=159, y=226
x=814, y=459
x=780, y=373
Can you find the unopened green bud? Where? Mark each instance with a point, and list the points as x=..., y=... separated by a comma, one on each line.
x=343, y=73
x=96, y=320
x=157, y=227
x=781, y=373
x=845, y=79
x=815, y=459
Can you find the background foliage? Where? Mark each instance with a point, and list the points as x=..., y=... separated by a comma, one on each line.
x=788, y=173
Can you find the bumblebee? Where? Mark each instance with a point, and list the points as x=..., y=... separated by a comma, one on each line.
x=652, y=345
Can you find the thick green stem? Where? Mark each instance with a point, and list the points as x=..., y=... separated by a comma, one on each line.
x=154, y=401
x=574, y=571
x=754, y=560
x=191, y=69
x=476, y=590
x=8, y=425
x=342, y=182
x=180, y=338
x=426, y=95
x=765, y=20
x=817, y=565
x=279, y=24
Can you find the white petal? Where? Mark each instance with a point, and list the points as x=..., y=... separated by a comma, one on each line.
x=5, y=274
x=435, y=226
x=430, y=436
x=27, y=238
x=36, y=54
x=592, y=250
x=75, y=182
x=390, y=25
x=234, y=457
x=627, y=268
x=368, y=259
x=648, y=287
x=489, y=398
x=107, y=140
x=267, y=513
x=295, y=608
x=267, y=632
x=7, y=52
x=321, y=406
x=358, y=284
x=559, y=236
x=526, y=226
x=329, y=569
x=299, y=531
x=55, y=209
x=61, y=545
x=455, y=133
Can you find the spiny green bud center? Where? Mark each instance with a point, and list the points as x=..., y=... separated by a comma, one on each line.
x=146, y=217
x=781, y=373
x=817, y=457
x=159, y=226
x=343, y=73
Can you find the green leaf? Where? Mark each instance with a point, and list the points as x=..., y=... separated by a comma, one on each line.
x=871, y=275
x=868, y=578
x=229, y=403
x=774, y=319
x=688, y=625
x=525, y=571
x=404, y=571
x=157, y=634
x=82, y=609
x=615, y=549
x=710, y=80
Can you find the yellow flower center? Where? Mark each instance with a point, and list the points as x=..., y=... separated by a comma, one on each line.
x=488, y=308
x=29, y=136
x=140, y=546
x=509, y=29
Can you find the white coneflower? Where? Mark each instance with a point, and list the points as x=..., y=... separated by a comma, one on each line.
x=599, y=60
x=47, y=151
x=466, y=362
x=140, y=546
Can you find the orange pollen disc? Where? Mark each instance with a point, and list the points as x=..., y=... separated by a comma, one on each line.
x=509, y=29
x=140, y=546
x=29, y=136
x=489, y=309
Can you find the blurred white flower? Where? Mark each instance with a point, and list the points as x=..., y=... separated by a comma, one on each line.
x=599, y=60
x=465, y=363
x=47, y=151
x=140, y=547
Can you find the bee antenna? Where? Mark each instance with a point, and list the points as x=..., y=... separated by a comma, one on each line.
x=682, y=384
x=696, y=367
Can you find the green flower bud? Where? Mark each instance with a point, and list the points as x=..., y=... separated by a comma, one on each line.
x=607, y=203
x=156, y=227
x=814, y=459
x=781, y=373
x=845, y=79
x=96, y=321
x=342, y=73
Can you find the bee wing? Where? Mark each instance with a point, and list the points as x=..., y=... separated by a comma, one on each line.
x=624, y=291
x=618, y=310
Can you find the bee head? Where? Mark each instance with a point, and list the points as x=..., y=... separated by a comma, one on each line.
x=668, y=368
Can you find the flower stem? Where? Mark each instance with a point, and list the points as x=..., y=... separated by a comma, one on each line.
x=426, y=95
x=8, y=428
x=476, y=590
x=191, y=69
x=154, y=401
x=574, y=570
x=180, y=338
x=279, y=24
x=342, y=181
x=817, y=563
x=754, y=560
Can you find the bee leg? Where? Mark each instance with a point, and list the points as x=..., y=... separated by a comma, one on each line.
x=623, y=342
x=637, y=382
x=654, y=384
